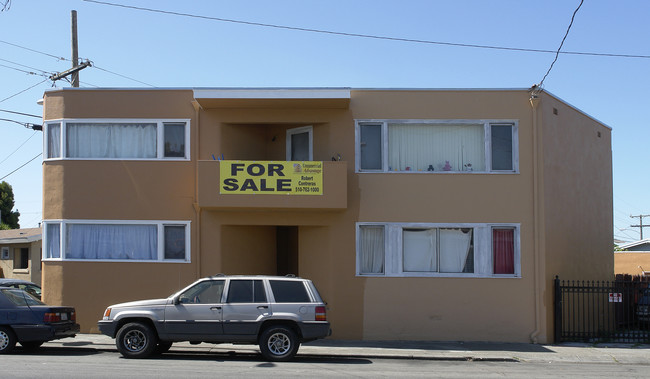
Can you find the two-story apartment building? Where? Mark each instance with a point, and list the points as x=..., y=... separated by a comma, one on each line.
x=419, y=214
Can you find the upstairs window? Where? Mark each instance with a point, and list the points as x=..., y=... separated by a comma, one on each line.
x=436, y=146
x=117, y=139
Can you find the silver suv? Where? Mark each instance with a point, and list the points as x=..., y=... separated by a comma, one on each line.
x=275, y=312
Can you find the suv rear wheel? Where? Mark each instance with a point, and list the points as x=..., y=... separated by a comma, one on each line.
x=136, y=340
x=279, y=343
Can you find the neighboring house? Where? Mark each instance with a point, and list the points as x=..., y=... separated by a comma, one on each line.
x=20, y=254
x=633, y=258
x=419, y=214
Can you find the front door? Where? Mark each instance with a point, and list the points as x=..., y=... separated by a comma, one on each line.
x=246, y=305
x=198, y=312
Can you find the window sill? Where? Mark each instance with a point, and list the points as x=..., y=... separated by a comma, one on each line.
x=440, y=275
x=439, y=172
x=21, y=271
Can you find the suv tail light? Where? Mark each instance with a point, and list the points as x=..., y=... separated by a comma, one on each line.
x=321, y=314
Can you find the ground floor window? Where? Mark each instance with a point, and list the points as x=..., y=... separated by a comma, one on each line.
x=117, y=240
x=420, y=249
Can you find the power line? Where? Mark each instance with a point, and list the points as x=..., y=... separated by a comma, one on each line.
x=20, y=113
x=22, y=65
x=124, y=76
x=34, y=51
x=25, y=164
x=21, y=70
x=557, y=54
x=368, y=35
x=18, y=148
x=25, y=90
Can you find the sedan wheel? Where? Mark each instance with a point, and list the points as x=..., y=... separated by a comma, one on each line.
x=7, y=340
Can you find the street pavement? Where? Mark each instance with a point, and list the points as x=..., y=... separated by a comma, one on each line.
x=416, y=350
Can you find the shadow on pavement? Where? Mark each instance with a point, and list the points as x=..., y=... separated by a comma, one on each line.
x=251, y=357
x=52, y=351
x=434, y=346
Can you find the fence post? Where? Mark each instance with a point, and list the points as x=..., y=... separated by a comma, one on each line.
x=557, y=308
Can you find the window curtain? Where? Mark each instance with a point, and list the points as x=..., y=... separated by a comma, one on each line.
x=503, y=249
x=54, y=140
x=371, y=239
x=455, y=246
x=420, y=147
x=420, y=250
x=103, y=140
x=99, y=241
x=53, y=248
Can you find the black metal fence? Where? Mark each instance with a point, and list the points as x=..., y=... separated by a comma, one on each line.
x=595, y=311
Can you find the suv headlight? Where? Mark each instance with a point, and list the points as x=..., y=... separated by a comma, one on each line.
x=107, y=314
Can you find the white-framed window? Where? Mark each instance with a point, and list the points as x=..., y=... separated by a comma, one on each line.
x=5, y=253
x=117, y=139
x=117, y=240
x=438, y=250
x=300, y=143
x=437, y=146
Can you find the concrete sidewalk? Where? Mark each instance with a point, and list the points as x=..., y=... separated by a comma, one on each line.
x=420, y=350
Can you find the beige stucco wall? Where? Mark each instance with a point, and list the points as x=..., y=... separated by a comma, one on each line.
x=631, y=263
x=240, y=240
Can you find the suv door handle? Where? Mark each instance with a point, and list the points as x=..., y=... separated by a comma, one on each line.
x=215, y=308
x=263, y=307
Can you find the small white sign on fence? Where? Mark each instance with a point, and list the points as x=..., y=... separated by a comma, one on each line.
x=615, y=297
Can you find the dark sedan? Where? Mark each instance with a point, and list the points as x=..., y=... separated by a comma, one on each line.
x=27, y=320
x=32, y=288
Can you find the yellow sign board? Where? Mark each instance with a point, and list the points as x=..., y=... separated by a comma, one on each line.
x=271, y=177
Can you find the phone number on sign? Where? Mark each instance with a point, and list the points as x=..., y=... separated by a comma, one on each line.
x=307, y=189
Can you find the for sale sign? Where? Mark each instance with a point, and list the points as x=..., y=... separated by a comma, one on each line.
x=271, y=177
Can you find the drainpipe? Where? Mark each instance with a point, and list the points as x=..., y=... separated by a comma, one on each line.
x=538, y=220
x=195, y=203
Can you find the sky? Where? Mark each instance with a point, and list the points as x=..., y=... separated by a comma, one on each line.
x=136, y=48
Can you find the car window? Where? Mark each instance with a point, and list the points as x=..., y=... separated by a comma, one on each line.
x=289, y=291
x=20, y=298
x=31, y=289
x=207, y=292
x=246, y=291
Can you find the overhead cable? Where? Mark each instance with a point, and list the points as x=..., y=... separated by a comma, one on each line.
x=557, y=53
x=25, y=164
x=366, y=35
x=18, y=148
x=25, y=90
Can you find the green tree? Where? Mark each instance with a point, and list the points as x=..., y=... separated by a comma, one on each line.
x=9, y=218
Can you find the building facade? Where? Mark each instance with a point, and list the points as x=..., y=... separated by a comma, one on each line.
x=419, y=214
x=20, y=254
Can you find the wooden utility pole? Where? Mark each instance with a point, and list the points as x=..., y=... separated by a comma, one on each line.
x=75, y=50
x=640, y=226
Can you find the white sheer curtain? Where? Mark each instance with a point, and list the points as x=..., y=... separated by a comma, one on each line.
x=54, y=140
x=104, y=140
x=454, y=249
x=372, y=253
x=420, y=250
x=53, y=248
x=100, y=241
x=416, y=147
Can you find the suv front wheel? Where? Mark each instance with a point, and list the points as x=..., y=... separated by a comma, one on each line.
x=279, y=343
x=136, y=340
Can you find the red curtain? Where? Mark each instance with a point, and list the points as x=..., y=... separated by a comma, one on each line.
x=503, y=248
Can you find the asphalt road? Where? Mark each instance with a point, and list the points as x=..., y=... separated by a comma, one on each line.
x=87, y=362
